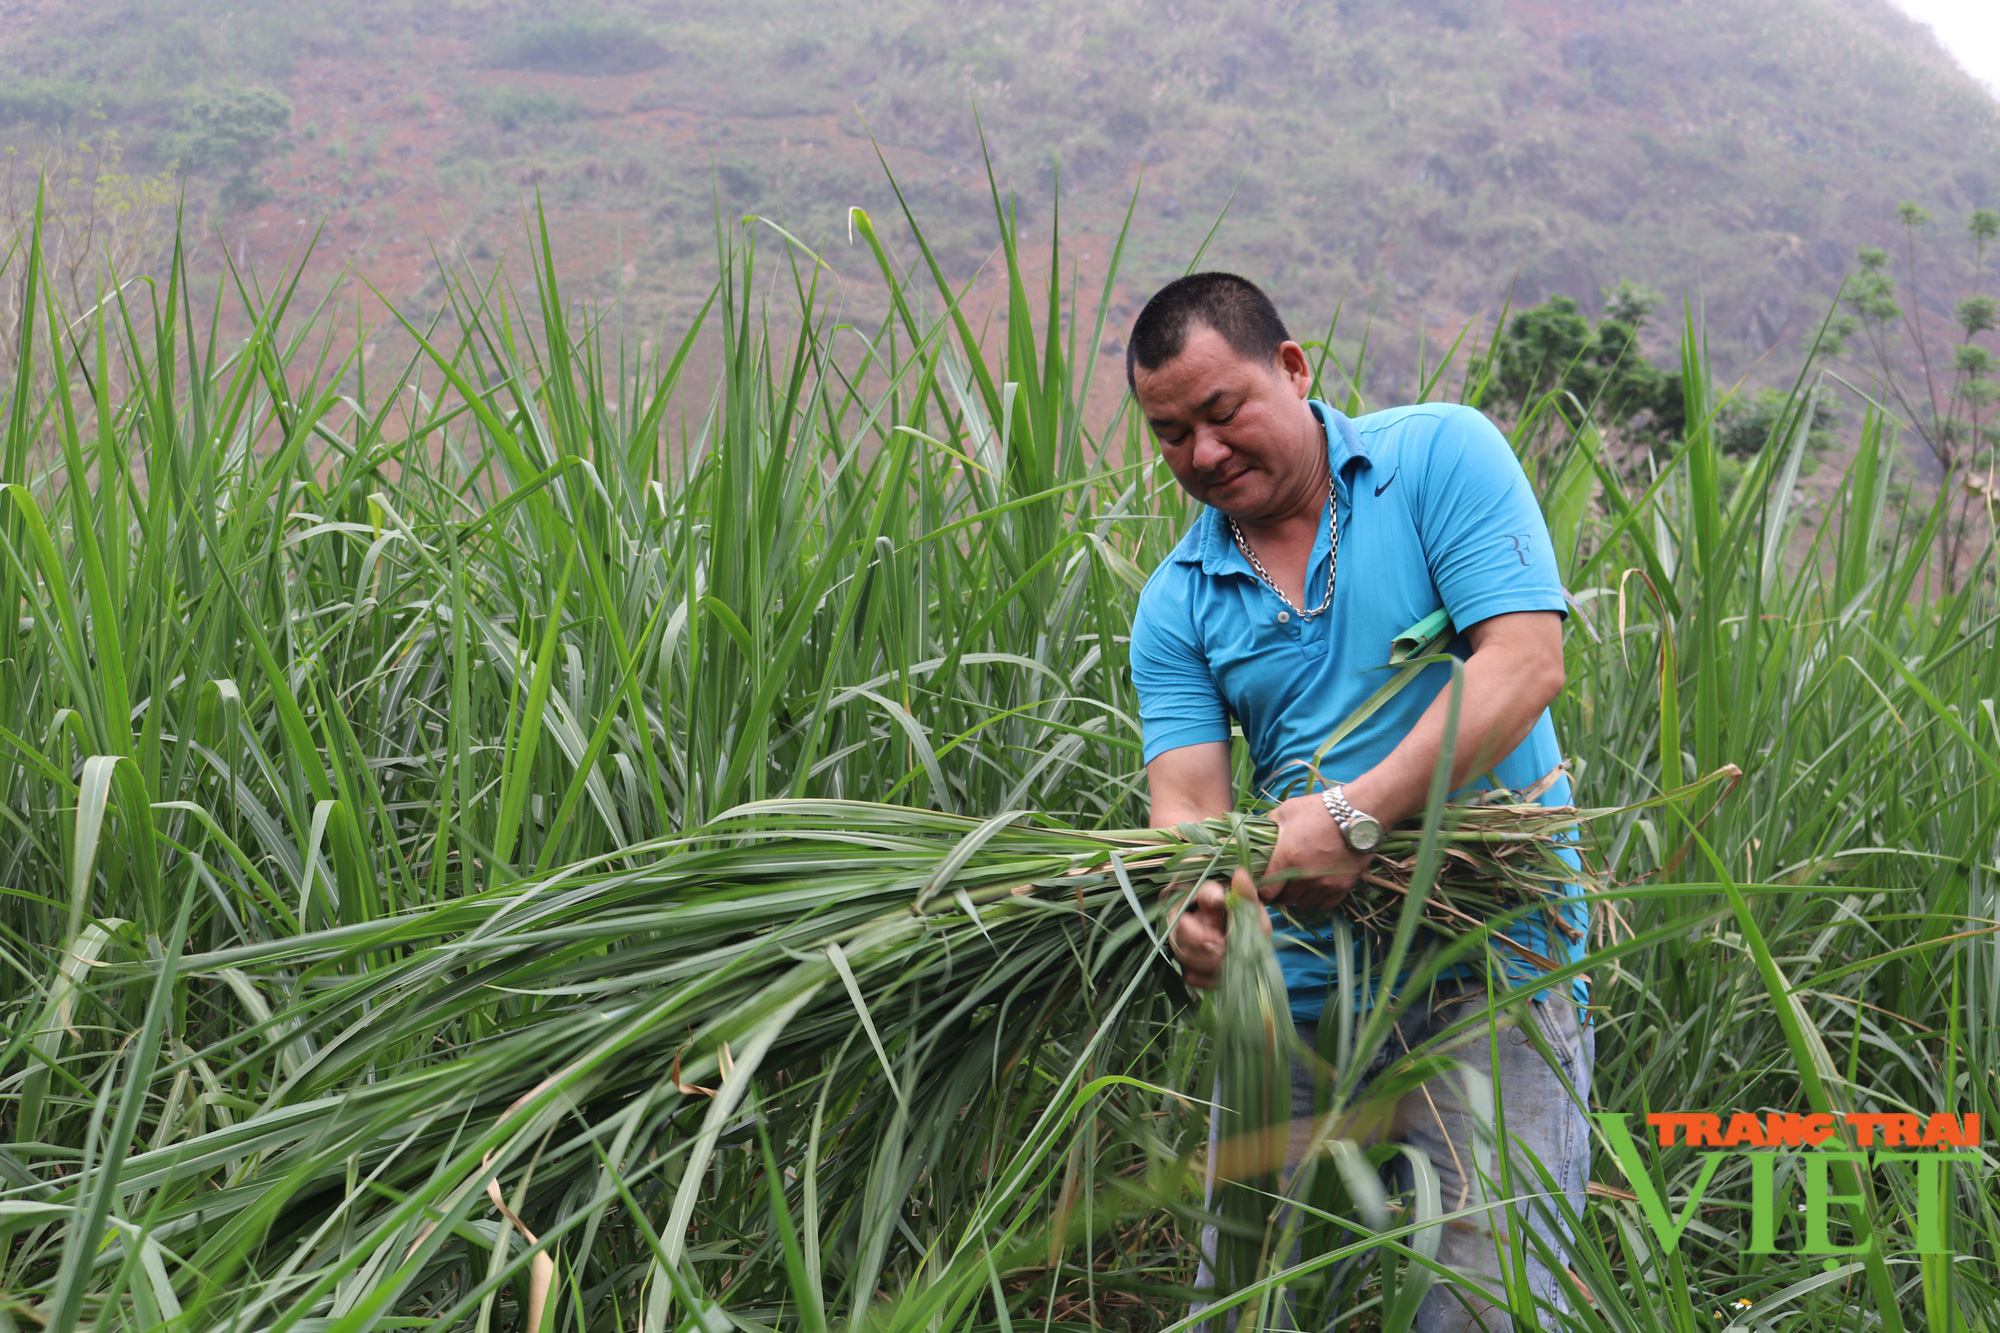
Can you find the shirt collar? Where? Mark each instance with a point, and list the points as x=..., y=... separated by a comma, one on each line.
x=1208, y=542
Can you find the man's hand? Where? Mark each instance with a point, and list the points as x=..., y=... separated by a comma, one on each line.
x=1201, y=935
x=1312, y=867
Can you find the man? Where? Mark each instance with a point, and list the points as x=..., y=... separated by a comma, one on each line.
x=1252, y=618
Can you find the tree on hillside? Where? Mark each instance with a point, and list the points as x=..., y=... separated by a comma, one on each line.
x=100, y=222
x=1946, y=404
x=1552, y=354
x=1553, y=348
x=235, y=130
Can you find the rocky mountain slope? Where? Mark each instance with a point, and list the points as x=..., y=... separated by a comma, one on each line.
x=1417, y=161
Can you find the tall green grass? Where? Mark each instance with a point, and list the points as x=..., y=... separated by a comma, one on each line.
x=377, y=747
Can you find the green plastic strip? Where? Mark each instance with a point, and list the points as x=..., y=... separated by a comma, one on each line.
x=1418, y=635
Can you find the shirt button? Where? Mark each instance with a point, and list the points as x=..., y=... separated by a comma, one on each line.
x=1284, y=616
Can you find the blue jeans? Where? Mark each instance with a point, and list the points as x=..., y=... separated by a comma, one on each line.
x=1450, y=1120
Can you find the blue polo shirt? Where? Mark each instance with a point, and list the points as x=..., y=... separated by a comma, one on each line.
x=1434, y=512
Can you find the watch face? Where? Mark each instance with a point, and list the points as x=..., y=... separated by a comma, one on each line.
x=1362, y=833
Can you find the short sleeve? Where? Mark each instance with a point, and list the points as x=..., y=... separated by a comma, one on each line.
x=1482, y=530
x=1178, y=700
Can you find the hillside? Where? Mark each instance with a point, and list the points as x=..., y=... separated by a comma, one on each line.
x=1414, y=160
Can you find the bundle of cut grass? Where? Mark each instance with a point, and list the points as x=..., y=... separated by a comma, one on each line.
x=1498, y=857
x=1252, y=1049
x=895, y=988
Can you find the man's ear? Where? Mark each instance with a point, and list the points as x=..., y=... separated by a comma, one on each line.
x=1293, y=366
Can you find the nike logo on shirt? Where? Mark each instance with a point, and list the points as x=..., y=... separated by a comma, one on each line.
x=1387, y=484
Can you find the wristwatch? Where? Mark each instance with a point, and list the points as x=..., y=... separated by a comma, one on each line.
x=1363, y=832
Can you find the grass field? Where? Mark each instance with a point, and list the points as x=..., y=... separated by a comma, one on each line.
x=431, y=820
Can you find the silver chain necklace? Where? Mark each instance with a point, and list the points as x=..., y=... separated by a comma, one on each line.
x=1332, y=556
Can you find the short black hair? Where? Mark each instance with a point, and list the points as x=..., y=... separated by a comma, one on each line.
x=1234, y=307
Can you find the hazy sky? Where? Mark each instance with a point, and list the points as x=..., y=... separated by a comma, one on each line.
x=1969, y=29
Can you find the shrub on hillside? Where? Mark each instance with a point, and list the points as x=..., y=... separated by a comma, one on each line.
x=54, y=102
x=1744, y=426
x=1554, y=348
x=520, y=108
x=235, y=128
x=577, y=44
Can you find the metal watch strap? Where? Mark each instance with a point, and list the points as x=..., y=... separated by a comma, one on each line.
x=1334, y=798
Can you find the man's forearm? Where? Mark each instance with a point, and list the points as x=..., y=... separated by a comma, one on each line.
x=1503, y=698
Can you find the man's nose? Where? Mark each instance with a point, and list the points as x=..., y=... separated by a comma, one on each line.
x=1210, y=452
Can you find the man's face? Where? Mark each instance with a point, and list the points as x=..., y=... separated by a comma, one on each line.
x=1235, y=431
